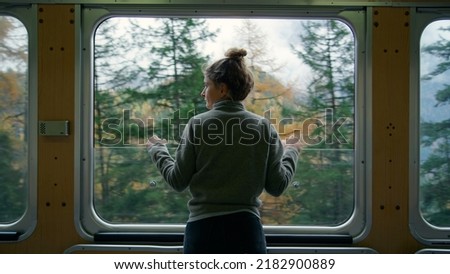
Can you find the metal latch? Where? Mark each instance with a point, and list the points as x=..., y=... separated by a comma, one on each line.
x=54, y=128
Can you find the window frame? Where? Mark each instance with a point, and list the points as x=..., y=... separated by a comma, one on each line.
x=89, y=223
x=24, y=227
x=423, y=231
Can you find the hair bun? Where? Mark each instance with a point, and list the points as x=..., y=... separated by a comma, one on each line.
x=235, y=53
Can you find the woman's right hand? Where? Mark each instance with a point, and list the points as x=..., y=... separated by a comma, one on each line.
x=294, y=142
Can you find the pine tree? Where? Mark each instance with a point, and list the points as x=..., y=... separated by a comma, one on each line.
x=152, y=71
x=326, y=169
x=176, y=69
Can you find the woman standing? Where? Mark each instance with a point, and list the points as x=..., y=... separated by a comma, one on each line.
x=227, y=156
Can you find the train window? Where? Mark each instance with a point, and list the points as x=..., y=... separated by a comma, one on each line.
x=17, y=139
x=435, y=124
x=147, y=77
x=429, y=194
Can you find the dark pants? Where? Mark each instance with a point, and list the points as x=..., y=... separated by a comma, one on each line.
x=228, y=234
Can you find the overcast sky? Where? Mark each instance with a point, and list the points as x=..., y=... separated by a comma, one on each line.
x=280, y=34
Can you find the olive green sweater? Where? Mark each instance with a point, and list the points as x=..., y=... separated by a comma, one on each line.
x=227, y=157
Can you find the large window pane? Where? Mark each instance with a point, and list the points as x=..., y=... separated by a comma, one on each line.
x=434, y=189
x=13, y=124
x=148, y=79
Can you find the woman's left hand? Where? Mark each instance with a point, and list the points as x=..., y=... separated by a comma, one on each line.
x=154, y=140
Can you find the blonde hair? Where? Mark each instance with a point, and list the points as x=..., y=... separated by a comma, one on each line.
x=233, y=72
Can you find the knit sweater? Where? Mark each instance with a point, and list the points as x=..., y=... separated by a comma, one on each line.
x=227, y=157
